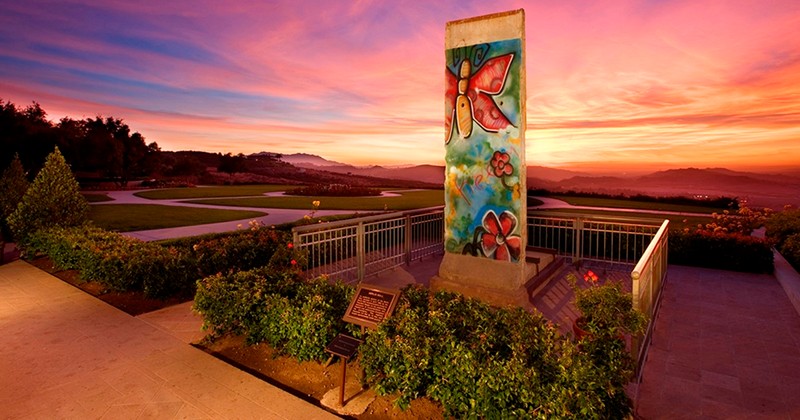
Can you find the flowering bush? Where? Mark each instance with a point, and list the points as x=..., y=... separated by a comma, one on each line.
x=742, y=222
x=725, y=243
x=607, y=308
x=240, y=250
x=719, y=250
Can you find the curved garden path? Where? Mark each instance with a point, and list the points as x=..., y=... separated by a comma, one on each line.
x=271, y=216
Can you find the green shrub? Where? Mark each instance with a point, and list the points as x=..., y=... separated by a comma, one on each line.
x=480, y=361
x=297, y=317
x=54, y=199
x=791, y=250
x=234, y=251
x=720, y=250
x=782, y=225
x=783, y=229
x=13, y=186
x=334, y=190
x=120, y=262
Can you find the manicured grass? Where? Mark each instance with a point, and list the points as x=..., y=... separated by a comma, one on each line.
x=630, y=204
x=676, y=222
x=131, y=217
x=211, y=192
x=96, y=197
x=406, y=201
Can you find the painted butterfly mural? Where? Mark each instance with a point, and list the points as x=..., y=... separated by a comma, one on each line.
x=468, y=97
x=482, y=185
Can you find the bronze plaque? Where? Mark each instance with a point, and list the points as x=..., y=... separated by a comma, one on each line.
x=343, y=346
x=370, y=306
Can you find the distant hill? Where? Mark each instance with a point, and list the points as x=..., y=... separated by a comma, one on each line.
x=758, y=189
x=307, y=159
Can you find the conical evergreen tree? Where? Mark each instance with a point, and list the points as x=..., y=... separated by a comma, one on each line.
x=54, y=199
x=13, y=185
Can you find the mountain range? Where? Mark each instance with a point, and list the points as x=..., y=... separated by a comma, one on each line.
x=757, y=189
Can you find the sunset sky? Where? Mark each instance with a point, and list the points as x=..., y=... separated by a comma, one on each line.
x=612, y=85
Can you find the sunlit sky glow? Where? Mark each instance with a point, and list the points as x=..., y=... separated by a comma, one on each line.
x=627, y=85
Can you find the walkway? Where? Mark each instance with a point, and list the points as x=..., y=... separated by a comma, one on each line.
x=725, y=345
x=270, y=217
x=65, y=354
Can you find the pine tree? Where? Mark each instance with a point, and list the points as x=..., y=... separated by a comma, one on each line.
x=54, y=199
x=13, y=185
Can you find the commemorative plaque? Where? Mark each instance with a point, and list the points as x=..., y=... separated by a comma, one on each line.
x=370, y=306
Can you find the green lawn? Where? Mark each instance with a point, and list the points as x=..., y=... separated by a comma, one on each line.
x=211, y=192
x=675, y=221
x=639, y=205
x=96, y=197
x=131, y=217
x=406, y=201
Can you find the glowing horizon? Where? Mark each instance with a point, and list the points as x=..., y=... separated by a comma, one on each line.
x=620, y=85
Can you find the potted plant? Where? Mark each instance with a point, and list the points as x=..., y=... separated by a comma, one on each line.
x=607, y=309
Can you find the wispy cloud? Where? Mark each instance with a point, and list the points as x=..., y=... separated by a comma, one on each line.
x=661, y=83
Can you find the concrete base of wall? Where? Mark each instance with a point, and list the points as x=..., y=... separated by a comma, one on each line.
x=492, y=296
x=495, y=282
x=788, y=278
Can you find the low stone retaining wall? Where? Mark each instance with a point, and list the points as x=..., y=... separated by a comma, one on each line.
x=788, y=278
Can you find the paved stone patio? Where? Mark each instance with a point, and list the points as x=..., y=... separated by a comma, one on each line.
x=726, y=345
x=66, y=355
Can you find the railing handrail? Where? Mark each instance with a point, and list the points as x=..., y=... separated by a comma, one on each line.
x=596, y=217
x=648, y=252
x=364, y=219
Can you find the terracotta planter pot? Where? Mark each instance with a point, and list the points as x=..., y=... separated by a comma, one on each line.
x=578, y=328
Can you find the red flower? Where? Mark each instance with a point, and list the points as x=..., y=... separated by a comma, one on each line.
x=590, y=277
x=290, y=245
x=501, y=165
x=294, y=262
x=497, y=241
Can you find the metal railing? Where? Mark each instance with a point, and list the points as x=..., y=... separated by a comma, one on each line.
x=647, y=280
x=353, y=249
x=642, y=241
x=583, y=237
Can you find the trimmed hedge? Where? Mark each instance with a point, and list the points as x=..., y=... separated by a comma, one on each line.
x=722, y=251
x=120, y=262
x=161, y=270
x=297, y=317
x=240, y=250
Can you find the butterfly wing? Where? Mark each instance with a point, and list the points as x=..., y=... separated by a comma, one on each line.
x=487, y=114
x=490, y=79
x=450, y=93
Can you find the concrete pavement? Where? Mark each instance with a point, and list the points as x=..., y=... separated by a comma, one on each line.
x=725, y=345
x=65, y=354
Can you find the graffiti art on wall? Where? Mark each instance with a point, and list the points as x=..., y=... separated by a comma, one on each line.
x=483, y=146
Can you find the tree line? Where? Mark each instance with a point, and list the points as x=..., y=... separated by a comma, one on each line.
x=97, y=149
x=94, y=147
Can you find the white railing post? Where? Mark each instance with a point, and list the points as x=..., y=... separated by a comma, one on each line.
x=408, y=239
x=360, y=251
x=577, y=243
